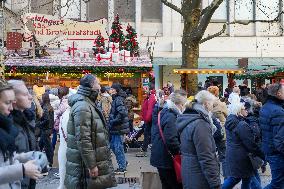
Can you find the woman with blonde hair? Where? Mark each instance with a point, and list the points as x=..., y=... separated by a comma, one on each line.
x=240, y=142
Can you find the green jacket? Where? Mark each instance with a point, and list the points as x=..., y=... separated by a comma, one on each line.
x=87, y=144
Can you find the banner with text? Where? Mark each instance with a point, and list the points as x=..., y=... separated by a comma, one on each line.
x=51, y=31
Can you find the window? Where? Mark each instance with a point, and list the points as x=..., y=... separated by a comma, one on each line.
x=267, y=9
x=151, y=10
x=221, y=13
x=125, y=9
x=244, y=10
x=98, y=9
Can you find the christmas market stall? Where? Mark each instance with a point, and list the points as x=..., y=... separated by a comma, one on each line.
x=56, y=52
x=258, y=77
x=229, y=72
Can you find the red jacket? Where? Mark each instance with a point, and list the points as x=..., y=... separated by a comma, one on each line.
x=151, y=104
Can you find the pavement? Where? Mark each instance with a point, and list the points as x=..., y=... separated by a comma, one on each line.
x=132, y=179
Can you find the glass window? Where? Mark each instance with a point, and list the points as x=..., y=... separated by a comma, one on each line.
x=244, y=10
x=267, y=9
x=221, y=13
x=125, y=9
x=98, y=9
x=151, y=10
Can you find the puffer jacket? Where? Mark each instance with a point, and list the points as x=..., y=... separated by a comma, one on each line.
x=160, y=157
x=118, y=119
x=200, y=167
x=271, y=119
x=87, y=144
x=240, y=142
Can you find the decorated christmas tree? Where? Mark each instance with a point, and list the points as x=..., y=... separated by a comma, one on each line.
x=99, y=46
x=131, y=43
x=116, y=33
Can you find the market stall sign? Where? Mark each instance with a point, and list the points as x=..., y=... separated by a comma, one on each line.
x=119, y=75
x=49, y=28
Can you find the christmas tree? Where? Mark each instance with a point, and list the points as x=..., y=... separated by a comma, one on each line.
x=99, y=45
x=131, y=43
x=116, y=33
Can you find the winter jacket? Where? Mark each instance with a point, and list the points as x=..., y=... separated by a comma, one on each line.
x=200, y=167
x=59, y=111
x=272, y=127
x=160, y=157
x=219, y=137
x=240, y=142
x=118, y=119
x=105, y=105
x=11, y=172
x=130, y=103
x=87, y=143
x=144, y=109
x=150, y=107
x=46, y=122
x=26, y=140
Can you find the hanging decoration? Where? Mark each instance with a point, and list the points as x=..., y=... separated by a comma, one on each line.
x=260, y=74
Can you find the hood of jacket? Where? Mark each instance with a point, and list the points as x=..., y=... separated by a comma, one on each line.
x=232, y=121
x=190, y=115
x=220, y=107
x=81, y=95
x=120, y=93
x=170, y=105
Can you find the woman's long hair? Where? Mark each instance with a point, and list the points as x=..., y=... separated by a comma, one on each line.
x=46, y=101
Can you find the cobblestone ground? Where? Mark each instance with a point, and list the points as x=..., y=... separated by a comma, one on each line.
x=131, y=179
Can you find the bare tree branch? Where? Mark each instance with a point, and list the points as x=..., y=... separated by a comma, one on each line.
x=172, y=6
x=214, y=35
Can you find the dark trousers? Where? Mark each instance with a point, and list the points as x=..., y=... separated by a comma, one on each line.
x=54, y=138
x=131, y=125
x=168, y=179
x=147, y=136
x=255, y=181
x=277, y=171
x=45, y=144
x=230, y=182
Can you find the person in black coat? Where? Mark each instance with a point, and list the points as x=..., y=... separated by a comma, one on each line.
x=160, y=157
x=45, y=124
x=200, y=166
x=240, y=142
x=119, y=125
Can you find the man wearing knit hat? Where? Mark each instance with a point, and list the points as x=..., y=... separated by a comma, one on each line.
x=119, y=125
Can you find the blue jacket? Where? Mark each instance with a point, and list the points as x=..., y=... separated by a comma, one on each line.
x=272, y=127
x=160, y=157
x=240, y=142
x=118, y=118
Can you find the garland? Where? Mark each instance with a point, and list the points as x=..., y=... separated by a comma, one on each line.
x=260, y=75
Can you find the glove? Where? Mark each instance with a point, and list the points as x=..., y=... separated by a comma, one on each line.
x=40, y=159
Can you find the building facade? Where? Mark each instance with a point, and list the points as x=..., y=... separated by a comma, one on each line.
x=261, y=42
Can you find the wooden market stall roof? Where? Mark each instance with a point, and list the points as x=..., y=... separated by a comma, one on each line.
x=208, y=71
x=76, y=65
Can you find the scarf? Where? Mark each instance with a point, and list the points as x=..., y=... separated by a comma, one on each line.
x=8, y=134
